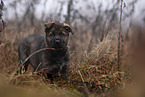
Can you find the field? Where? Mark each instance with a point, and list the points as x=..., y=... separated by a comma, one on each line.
x=91, y=74
x=106, y=61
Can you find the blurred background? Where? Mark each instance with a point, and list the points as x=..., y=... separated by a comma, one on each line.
x=91, y=20
x=106, y=50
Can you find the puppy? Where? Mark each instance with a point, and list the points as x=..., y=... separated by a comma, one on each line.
x=55, y=59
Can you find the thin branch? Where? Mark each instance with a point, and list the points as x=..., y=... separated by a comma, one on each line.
x=119, y=36
x=86, y=88
x=35, y=53
x=81, y=76
x=5, y=56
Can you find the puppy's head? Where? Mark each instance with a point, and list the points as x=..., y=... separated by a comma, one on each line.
x=57, y=34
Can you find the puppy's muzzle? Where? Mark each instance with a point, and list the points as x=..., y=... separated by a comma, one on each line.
x=57, y=43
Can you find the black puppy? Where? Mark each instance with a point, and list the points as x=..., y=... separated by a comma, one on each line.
x=55, y=59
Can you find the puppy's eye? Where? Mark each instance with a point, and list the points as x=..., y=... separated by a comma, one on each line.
x=51, y=34
x=62, y=33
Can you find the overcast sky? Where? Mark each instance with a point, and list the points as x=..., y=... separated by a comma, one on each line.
x=53, y=7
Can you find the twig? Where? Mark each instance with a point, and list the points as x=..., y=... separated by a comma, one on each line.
x=86, y=88
x=38, y=66
x=81, y=76
x=36, y=53
x=5, y=56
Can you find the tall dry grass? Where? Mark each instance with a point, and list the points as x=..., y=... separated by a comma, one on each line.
x=91, y=74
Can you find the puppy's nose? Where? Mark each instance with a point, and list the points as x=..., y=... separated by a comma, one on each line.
x=57, y=41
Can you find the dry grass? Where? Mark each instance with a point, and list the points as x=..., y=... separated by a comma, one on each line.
x=91, y=74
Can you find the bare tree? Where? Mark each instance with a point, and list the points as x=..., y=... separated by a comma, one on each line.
x=69, y=10
x=1, y=14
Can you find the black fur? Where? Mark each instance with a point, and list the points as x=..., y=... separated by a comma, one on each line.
x=50, y=61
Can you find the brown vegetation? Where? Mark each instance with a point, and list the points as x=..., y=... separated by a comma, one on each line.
x=95, y=72
x=94, y=54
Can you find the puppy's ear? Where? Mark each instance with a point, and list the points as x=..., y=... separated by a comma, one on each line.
x=48, y=25
x=67, y=27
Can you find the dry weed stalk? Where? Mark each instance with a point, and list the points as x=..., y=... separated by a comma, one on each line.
x=120, y=35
